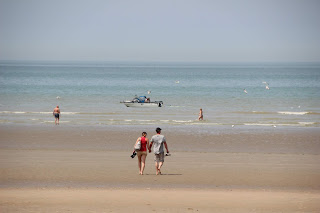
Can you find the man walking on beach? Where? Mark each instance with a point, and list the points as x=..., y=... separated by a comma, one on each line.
x=56, y=114
x=158, y=140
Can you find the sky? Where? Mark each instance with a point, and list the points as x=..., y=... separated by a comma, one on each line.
x=160, y=30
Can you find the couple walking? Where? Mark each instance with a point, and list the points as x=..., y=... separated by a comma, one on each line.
x=158, y=141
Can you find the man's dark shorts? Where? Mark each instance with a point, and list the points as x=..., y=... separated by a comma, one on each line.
x=159, y=157
x=56, y=115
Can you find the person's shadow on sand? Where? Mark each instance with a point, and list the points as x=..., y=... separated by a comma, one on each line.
x=163, y=174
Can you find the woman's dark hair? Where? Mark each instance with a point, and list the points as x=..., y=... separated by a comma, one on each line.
x=144, y=133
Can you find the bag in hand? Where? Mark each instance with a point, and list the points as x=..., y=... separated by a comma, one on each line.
x=137, y=147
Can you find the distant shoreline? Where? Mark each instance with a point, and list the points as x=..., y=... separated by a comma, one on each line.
x=204, y=64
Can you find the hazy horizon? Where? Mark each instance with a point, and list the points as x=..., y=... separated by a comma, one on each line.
x=168, y=31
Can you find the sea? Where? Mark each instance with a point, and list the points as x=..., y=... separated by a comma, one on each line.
x=232, y=95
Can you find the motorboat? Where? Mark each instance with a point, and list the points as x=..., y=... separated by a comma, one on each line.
x=142, y=101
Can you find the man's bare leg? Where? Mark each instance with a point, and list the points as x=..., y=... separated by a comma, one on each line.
x=159, y=167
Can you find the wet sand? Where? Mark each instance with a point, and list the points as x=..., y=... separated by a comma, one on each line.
x=48, y=169
x=109, y=138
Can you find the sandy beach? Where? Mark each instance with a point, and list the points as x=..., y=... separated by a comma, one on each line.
x=72, y=169
x=166, y=200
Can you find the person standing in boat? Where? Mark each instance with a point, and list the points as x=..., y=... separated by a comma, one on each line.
x=142, y=153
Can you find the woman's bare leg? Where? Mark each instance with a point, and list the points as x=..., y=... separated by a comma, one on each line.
x=139, y=163
x=143, y=163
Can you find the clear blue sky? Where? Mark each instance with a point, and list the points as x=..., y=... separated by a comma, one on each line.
x=160, y=30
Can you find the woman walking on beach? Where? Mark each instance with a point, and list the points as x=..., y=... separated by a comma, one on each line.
x=142, y=153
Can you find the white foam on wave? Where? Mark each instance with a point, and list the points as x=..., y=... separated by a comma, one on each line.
x=11, y=112
x=54, y=121
x=292, y=124
x=306, y=123
x=261, y=112
x=293, y=113
x=258, y=124
x=182, y=121
x=205, y=124
x=19, y=112
x=70, y=113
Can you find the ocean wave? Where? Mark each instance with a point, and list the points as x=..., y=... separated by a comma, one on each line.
x=96, y=113
x=62, y=113
x=70, y=113
x=261, y=112
x=280, y=112
x=258, y=124
x=182, y=121
x=189, y=123
x=313, y=113
x=205, y=124
x=54, y=121
x=281, y=124
x=19, y=112
x=294, y=113
x=307, y=123
x=11, y=112
x=253, y=112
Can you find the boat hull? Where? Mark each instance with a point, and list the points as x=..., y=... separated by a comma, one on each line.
x=152, y=104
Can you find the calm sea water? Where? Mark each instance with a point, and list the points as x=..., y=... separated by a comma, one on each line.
x=90, y=94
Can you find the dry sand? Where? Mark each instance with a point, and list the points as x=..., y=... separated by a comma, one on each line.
x=89, y=170
x=166, y=200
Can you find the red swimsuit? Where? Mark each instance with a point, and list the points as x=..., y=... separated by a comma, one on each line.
x=143, y=144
